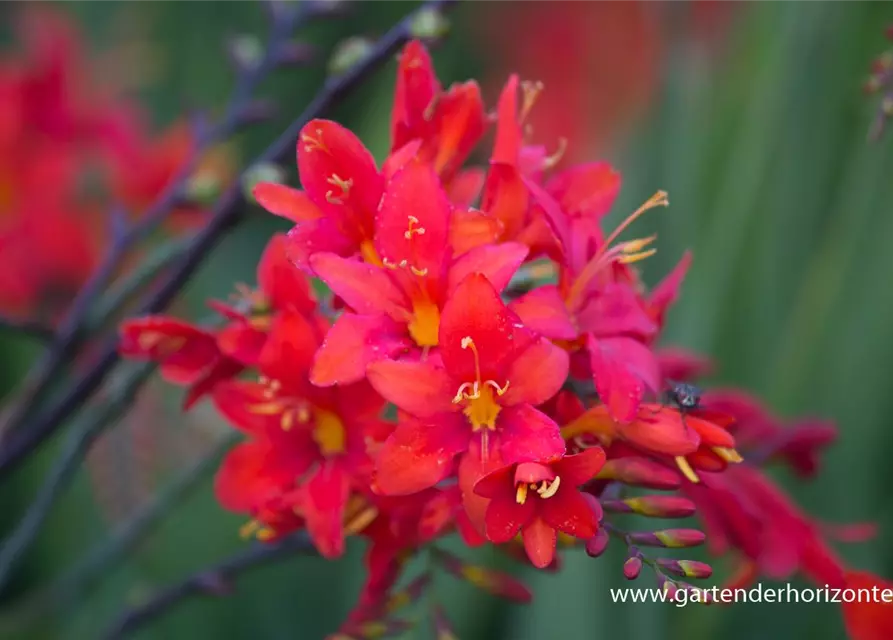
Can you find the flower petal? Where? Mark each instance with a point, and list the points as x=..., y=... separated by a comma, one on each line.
x=466, y=185
x=251, y=475
x=288, y=353
x=417, y=86
x=586, y=190
x=323, y=503
x=283, y=283
x=470, y=228
x=623, y=369
x=419, y=454
x=528, y=435
x=616, y=310
x=419, y=388
x=365, y=288
x=543, y=310
x=536, y=374
x=506, y=198
x=413, y=220
x=351, y=344
x=539, y=543
x=497, y=263
x=460, y=121
x=569, y=512
x=475, y=311
x=318, y=236
x=665, y=293
x=283, y=201
x=580, y=468
x=505, y=517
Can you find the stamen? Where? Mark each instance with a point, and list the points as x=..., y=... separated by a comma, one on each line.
x=311, y=143
x=412, y=229
x=521, y=494
x=500, y=391
x=468, y=343
x=547, y=490
x=531, y=91
x=729, y=455
x=342, y=184
x=686, y=469
x=556, y=157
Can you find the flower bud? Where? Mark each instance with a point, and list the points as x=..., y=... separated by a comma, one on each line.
x=246, y=51
x=429, y=24
x=632, y=567
x=669, y=538
x=653, y=506
x=686, y=568
x=640, y=472
x=597, y=544
x=264, y=172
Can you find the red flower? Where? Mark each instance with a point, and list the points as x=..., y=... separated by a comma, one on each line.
x=446, y=124
x=540, y=499
x=342, y=188
x=476, y=400
x=400, y=304
x=308, y=445
x=870, y=615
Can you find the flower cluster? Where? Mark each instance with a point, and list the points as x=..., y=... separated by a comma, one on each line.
x=485, y=362
x=69, y=147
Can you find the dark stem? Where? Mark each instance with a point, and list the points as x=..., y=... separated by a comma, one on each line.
x=213, y=581
x=228, y=211
x=72, y=329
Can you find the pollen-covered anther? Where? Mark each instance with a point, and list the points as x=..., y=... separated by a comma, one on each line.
x=686, y=470
x=413, y=228
x=521, y=493
x=418, y=272
x=342, y=184
x=531, y=91
x=548, y=489
x=729, y=455
x=633, y=250
x=556, y=157
x=312, y=143
x=394, y=265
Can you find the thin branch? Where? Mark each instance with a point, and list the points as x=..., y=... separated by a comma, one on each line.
x=228, y=211
x=213, y=581
x=28, y=328
x=71, y=331
x=82, y=436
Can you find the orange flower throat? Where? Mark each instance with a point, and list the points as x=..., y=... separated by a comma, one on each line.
x=481, y=407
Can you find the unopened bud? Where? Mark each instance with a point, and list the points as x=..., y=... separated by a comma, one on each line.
x=669, y=538
x=263, y=172
x=597, y=544
x=595, y=506
x=429, y=24
x=686, y=568
x=632, y=567
x=640, y=472
x=653, y=506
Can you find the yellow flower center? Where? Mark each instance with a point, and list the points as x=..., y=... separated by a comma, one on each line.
x=425, y=322
x=544, y=489
x=329, y=433
x=481, y=408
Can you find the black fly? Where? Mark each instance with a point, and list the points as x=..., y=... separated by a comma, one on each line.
x=685, y=396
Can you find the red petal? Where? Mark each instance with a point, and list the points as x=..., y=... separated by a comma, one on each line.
x=400, y=158
x=475, y=311
x=664, y=294
x=543, y=310
x=419, y=454
x=616, y=310
x=223, y=369
x=416, y=205
x=351, y=344
x=680, y=364
x=284, y=285
x=505, y=517
x=367, y=289
x=496, y=483
x=465, y=187
x=326, y=152
x=586, y=190
x=623, y=369
x=506, y=198
x=539, y=543
x=497, y=263
x=868, y=620
x=660, y=430
x=324, y=500
x=528, y=434
x=288, y=353
x=580, y=468
x=419, y=388
x=569, y=512
x=472, y=467
x=319, y=236
x=242, y=342
x=557, y=223
x=460, y=121
x=184, y=351
x=251, y=475
x=507, y=146
x=417, y=86
x=281, y=200
x=536, y=374
x=470, y=228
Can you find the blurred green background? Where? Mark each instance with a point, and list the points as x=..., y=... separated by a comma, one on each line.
x=752, y=118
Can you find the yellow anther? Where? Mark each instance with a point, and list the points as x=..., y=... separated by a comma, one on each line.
x=418, y=272
x=521, y=494
x=547, y=489
x=413, y=228
x=500, y=391
x=636, y=257
x=311, y=143
x=342, y=184
x=686, y=469
x=556, y=157
x=729, y=455
x=531, y=91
